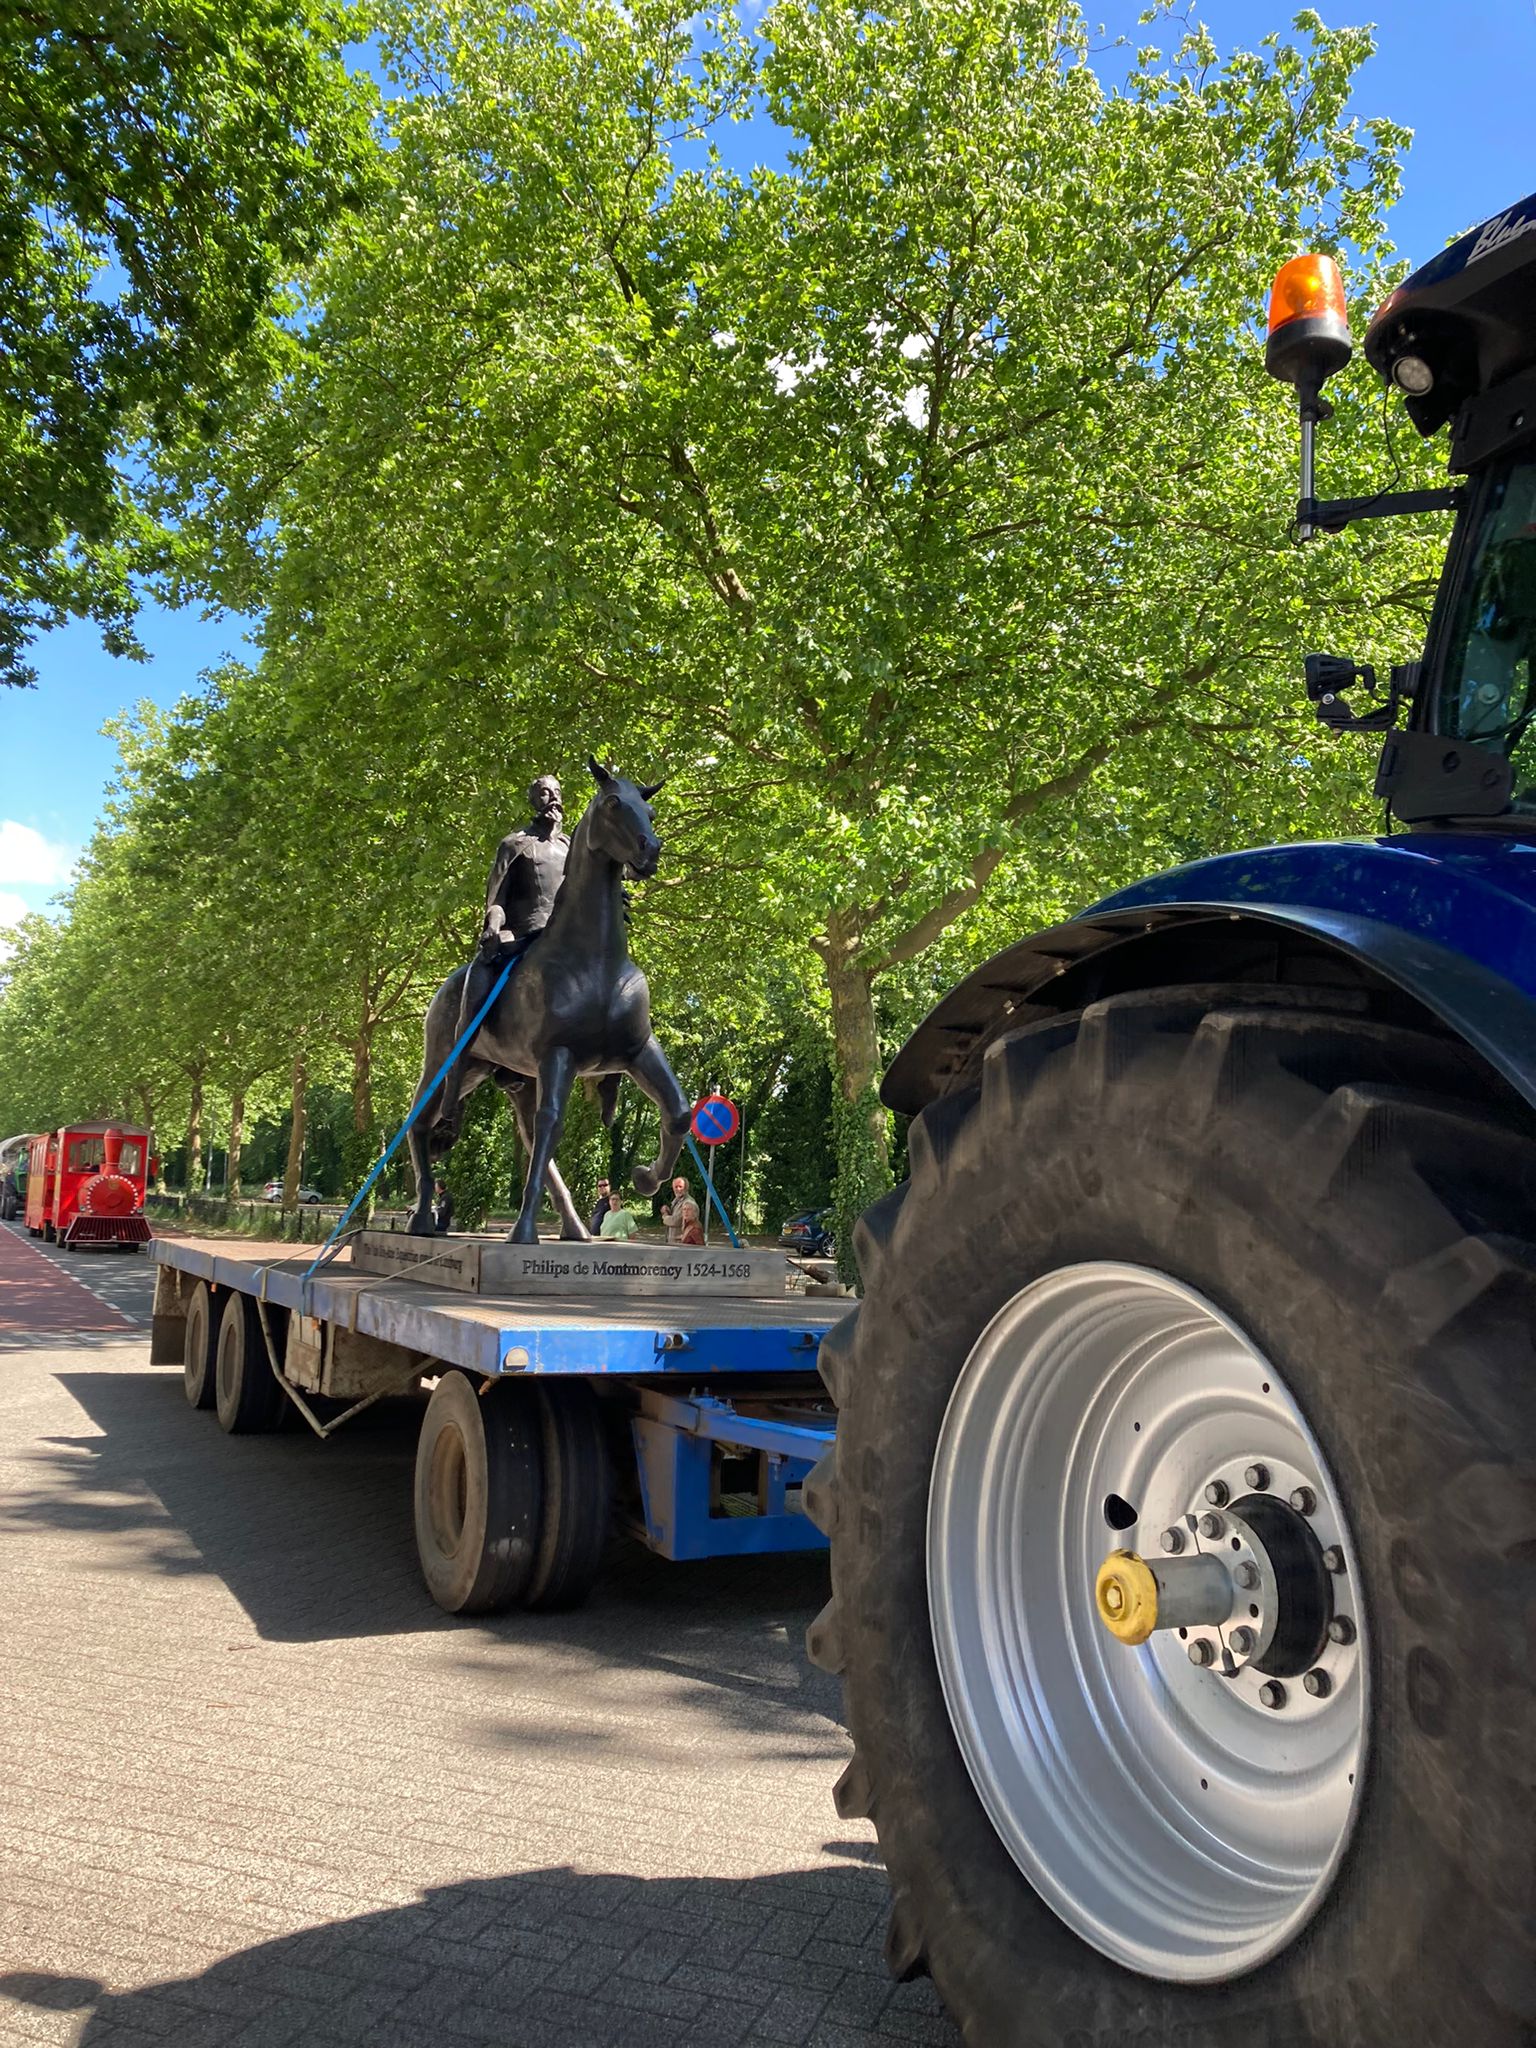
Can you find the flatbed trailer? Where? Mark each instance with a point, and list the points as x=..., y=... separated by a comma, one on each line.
x=673, y=1395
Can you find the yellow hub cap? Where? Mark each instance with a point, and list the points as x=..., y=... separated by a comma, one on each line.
x=1125, y=1593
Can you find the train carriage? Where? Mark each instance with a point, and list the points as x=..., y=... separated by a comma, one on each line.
x=86, y=1184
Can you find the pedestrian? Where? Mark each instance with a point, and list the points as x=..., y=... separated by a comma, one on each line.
x=442, y=1208
x=600, y=1209
x=618, y=1219
x=681, y=1216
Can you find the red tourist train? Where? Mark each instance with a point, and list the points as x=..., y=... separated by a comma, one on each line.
x=85, y=1185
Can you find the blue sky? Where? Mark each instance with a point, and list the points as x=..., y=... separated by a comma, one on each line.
x=1461, y=76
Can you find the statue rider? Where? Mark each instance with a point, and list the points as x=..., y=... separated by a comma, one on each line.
x=525, y=879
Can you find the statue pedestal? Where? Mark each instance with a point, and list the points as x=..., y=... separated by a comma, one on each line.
x=605, y=1269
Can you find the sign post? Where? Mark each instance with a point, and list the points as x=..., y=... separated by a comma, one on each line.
x=715, y=1122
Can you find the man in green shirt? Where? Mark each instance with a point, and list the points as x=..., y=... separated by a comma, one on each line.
x=620, y=1221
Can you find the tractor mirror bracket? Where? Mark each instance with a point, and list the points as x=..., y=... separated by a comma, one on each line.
x=1331, y=676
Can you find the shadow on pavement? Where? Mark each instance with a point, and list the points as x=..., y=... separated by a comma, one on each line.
x=314, y=1540
x=550, y=1959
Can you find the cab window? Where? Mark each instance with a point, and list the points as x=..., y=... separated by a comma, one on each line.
x=84, y=1154
x=1488, y=683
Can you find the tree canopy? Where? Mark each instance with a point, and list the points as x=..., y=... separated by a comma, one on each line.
x=167, y=167
x=919, y=506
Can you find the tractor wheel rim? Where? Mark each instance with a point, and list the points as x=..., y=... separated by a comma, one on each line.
x=1168, y=1815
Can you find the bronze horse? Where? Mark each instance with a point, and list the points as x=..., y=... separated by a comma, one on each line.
x=576, y=1004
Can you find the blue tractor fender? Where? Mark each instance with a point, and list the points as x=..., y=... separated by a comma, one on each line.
x=1448, y=920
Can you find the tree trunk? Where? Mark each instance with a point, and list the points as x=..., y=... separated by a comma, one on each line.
x=362, y=1081
x=861, y=1125
x=195, y=1137
x=147, y=1103
x=295, y=1136
x=236, y=1141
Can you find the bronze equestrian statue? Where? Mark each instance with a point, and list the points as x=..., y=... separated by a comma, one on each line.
x=576, y=1004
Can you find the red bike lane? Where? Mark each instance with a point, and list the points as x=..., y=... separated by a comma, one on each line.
x=35, y=1295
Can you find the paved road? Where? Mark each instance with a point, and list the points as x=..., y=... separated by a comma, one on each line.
x=256, y=1790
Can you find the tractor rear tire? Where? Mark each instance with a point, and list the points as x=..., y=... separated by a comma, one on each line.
x=200, y=1344
x=577, y=1496
x=1355, y=1196
x=478, y=1493
x=248, y=1399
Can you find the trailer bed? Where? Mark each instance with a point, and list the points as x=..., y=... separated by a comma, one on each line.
x=547, y=1333
x=694, y=1417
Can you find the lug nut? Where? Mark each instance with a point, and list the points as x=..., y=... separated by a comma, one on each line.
x=1242, y=1641
x=1272, y=1694
x=1201, y=1652
x=1212, y=1525
x=1173, y=1541
x=1304, y=1500
x=1318, y=1684
x=1257, y=1477
x=1341, y=1629
x=1218, y=1493
x=1246, y=1575
x=1333, y=1558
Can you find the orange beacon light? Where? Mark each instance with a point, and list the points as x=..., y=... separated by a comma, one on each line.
x=1308, y=324
x=1308, y=341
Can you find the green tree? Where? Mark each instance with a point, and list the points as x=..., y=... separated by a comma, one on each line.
x=166, y=166
x=920, y=505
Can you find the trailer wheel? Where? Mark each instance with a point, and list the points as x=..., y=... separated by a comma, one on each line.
x=1227, y=1279
x=577, y=1496
x=247, y=1396
x=200, y=1343
x=477, y=1494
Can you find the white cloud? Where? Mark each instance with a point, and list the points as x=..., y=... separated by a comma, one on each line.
x=724, y=337
x=915, y=406
x=914, y=346
x=26, y=857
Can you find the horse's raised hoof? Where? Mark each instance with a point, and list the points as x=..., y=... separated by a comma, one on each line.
x=647, y=1179
x=421, y=1224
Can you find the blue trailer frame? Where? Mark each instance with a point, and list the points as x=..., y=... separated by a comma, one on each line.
x=726, y=1413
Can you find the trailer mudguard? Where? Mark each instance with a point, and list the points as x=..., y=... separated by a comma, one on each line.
x=1448, y=919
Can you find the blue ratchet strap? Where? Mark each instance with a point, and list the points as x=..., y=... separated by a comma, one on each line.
x=710, y=1188
x=421, y=1102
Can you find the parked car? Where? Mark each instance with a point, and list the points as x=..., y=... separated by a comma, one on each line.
x=809, y=1234
x=273, y=1192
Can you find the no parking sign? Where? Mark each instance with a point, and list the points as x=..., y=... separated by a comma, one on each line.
x=715, y=1119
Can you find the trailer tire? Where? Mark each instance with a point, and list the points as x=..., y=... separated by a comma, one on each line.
x=478, y=1494
x=199, y=1350
x=577, y=1496
x=1355, y=1195
x=247, y=1397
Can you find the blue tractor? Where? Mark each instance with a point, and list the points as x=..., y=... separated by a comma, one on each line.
x=1183, y=1507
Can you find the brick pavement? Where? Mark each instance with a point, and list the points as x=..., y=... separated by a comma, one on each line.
x=256, y=1790
x=38, y=1293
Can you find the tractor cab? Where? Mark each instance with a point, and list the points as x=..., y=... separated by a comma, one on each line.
x=1458, y=340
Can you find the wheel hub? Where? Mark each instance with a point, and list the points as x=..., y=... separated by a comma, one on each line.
x=1248, y=1590
x=1168, y=1739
